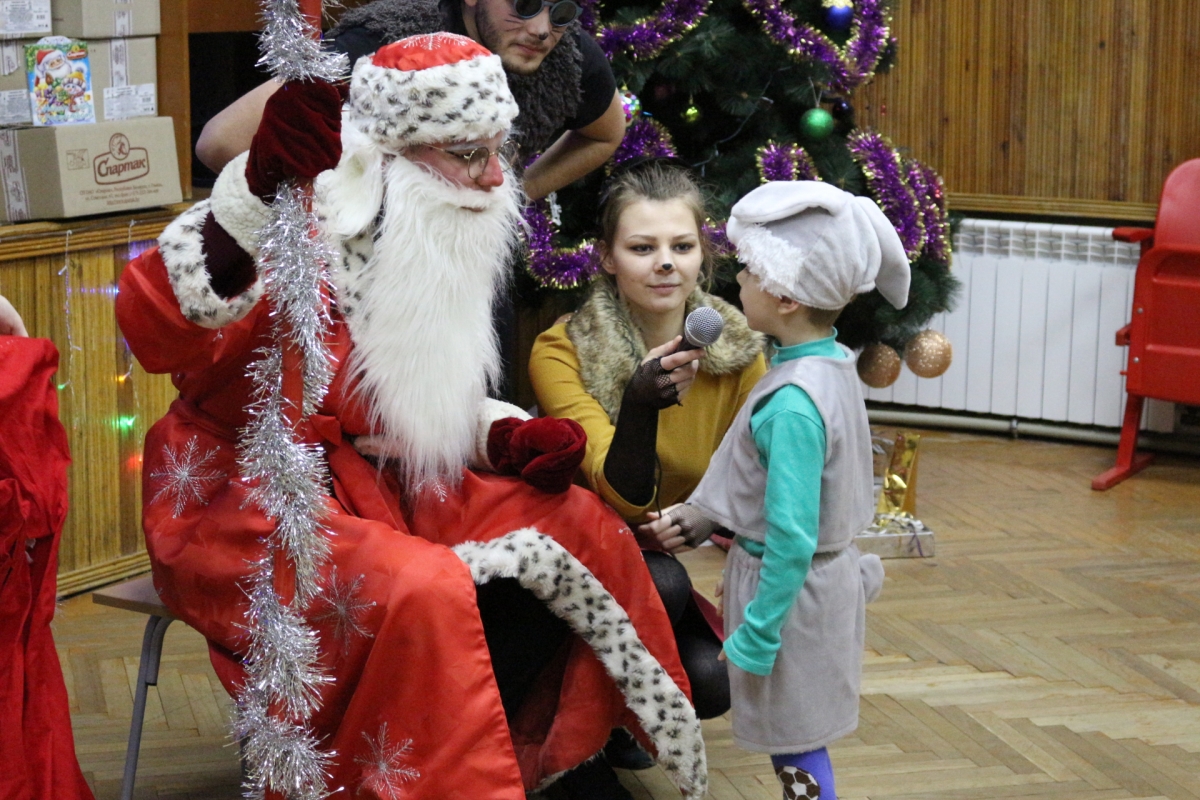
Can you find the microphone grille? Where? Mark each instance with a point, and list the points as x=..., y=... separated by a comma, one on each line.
x=703, y=326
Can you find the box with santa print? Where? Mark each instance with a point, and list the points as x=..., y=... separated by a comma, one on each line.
x=105, y=19
x=24, y=18
x=78, y=170
x=122, y=74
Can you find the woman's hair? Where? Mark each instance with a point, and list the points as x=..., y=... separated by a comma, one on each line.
x=659, y=181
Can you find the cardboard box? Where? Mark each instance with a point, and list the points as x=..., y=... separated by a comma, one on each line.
x=123, y=75
x=77, y=170
x=106, y=19
x=25, y=18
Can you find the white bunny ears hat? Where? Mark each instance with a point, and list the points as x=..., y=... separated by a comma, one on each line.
x=818, y=245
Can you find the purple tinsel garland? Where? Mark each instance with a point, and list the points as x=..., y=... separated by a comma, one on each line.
x=848, y=66
x=555, y=268
x=885, y=178
x=645, y=138
x=569, y=267
x=785, y=162
x=647, y=37
x=927, y=186
x=718, y=239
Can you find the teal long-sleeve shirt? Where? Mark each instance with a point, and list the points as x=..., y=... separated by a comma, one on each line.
x=790, y=436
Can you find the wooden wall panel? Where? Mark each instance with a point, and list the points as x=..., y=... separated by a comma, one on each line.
x=1076, y=107
x=106, y=401
x=174, y=82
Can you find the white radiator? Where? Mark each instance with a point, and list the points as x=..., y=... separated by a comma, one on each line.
x=1033, y=333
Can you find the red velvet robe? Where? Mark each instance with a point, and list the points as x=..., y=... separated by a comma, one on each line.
x=37, y=748
x=414, y=657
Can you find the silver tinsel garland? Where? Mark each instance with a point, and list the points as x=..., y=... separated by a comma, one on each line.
x=287, y=478
x=291, y=46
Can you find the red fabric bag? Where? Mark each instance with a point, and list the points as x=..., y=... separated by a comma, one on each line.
x=37, y=747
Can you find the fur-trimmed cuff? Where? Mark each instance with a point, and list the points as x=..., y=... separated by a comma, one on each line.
x=575, y=595
x=490, y=411
x=236, y=208
x=182, y=248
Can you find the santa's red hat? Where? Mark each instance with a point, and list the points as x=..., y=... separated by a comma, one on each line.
x=438, y=87
x=41, y=55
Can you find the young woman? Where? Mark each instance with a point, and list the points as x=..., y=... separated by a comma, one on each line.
x=654, y=410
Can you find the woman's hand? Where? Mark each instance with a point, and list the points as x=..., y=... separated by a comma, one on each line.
x=679, y=528
x=664, y=530
x=681, y=366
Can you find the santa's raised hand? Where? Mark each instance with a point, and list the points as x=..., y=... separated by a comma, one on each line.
x=300, y=136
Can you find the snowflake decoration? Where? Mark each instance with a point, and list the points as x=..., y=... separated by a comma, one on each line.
x=383, y=771
x=435, y=486
x=184, y=476
x=345, y=608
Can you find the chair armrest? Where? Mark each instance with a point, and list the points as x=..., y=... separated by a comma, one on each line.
x=1132, y=235
x=1123, y=336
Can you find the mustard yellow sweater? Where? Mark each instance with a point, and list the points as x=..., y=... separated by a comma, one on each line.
x=688, y=434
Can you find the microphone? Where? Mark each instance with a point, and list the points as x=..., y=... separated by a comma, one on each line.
x=701, y=328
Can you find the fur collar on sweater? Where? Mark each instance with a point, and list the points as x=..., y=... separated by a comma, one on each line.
x=547, y=99
x=610, y=347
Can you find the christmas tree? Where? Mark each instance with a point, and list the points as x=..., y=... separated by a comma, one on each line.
x=751, y=90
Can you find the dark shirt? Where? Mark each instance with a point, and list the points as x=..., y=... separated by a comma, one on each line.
x=597, y=83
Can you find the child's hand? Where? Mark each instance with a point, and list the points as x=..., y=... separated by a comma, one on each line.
x=719, y=593
x=721, y=655
x=662, y=529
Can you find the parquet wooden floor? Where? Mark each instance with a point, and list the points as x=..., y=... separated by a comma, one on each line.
x=1051, y=650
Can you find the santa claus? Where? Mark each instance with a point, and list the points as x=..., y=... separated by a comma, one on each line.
x=438, y=690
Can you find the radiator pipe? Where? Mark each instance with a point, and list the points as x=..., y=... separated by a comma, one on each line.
x=1016, y=427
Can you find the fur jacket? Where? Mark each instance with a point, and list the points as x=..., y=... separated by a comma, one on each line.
x=610, y=347
x=547, y=99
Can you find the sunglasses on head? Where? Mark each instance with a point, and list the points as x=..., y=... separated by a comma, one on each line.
x=562, y=12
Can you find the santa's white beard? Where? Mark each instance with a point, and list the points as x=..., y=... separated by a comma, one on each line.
x=421, y=320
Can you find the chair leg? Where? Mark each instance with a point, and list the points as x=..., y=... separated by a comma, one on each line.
x=152, y=641
x=1129, y=461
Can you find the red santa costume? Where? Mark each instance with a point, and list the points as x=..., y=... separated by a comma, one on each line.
x=412, y=709
x=36, y=743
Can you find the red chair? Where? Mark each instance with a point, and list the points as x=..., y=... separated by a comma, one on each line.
x=1164, y=336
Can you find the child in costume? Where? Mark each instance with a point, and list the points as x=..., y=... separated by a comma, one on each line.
x=792, y=477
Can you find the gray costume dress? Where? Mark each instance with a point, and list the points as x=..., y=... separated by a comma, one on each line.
x=811, y=696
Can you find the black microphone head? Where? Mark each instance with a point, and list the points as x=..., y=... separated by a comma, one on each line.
x=702, y=327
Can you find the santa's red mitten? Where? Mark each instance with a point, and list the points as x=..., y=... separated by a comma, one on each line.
x=499, y=452
x=299, y=137
x=548, y=451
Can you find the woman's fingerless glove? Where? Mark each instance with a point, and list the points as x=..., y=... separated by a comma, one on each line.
x=651, y=386
x=694, y=527
x=630, y=464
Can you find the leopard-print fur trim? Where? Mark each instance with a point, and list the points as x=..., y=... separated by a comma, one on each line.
x=547, y=99
x=182, y=248
x=573, y=593
x=236, y=208
x=610, y=347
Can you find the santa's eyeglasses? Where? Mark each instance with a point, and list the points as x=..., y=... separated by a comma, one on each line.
x=478, y=158
x=562, y=12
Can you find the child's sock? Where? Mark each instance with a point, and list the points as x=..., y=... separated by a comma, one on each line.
x=796, y=770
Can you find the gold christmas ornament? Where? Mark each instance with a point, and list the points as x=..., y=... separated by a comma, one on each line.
x=879, y=365
x=928, y=354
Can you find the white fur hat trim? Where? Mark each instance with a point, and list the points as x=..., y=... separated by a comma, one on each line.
x=456, y=102
x=818, y=244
